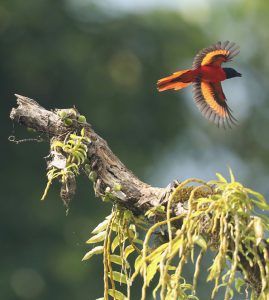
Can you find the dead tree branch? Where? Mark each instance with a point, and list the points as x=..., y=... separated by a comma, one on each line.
x=135, y=194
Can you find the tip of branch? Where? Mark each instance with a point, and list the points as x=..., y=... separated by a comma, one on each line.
x=18, y=96
x=24, y=104
x=23, y=99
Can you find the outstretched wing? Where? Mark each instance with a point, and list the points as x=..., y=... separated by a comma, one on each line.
x=211, y=101
x=216, y=54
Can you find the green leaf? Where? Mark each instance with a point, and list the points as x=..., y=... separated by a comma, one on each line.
x=138, y=241
x=97, y=238
x=186, y=286
x=93, y=176
x=158, y=250
x=116, y=259
x=73, y=137
x=131, y=234
x=115, y=227
x=117, y=276
x=138, y=263
x=115, y=243
x=239, y=282
x=127, y=251
x=261, y=205
x=256, y=194
x=100, y=227
x=200, y=241
x=61, y=114
x=82, y=132
x=152, y=269
x=132, y=227
x=56, y=144
x=221, y=178
x=116, y=294
x=94, y=251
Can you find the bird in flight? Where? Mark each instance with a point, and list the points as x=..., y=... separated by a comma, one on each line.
x=206, y=76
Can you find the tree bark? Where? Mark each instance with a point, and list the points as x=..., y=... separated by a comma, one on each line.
x=110, y=171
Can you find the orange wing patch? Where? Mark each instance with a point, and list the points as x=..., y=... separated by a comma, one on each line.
x=211, y=101
x=213, y=56
x=209, y=97
x=216, y=54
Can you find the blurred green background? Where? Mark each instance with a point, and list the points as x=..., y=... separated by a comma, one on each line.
x=105, y=57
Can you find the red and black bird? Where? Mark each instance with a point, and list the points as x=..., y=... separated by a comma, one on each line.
x=206, y=76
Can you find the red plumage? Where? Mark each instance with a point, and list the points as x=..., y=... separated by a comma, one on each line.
x=206, y=76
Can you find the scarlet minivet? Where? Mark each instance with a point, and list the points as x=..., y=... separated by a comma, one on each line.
x=206, y=76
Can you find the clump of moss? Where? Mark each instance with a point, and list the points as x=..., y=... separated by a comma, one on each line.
x=182, y=194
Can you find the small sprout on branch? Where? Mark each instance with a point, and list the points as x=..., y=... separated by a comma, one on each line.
x=68, y=115
x=82, y=119
x=62, y=114
x=93, y=176
x=67, y=157
x=68, y=122
x=117, y=187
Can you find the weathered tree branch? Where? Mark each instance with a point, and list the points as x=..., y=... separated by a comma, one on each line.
x=135, y=194
x=110, y=171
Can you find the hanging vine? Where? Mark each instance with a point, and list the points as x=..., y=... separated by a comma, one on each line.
x=228, y=212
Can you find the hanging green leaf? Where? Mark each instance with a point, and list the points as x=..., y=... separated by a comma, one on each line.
x=97, y=238
x=117, y=294
x=138, y=241
x=115, y=243
x=117, y=276
x=152, y=269
x=101, y=226
x=94, y=251
x=138, y=263
x=116, y=259
x=127, y=251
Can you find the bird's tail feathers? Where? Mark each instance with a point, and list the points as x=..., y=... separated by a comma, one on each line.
x=175, y=81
